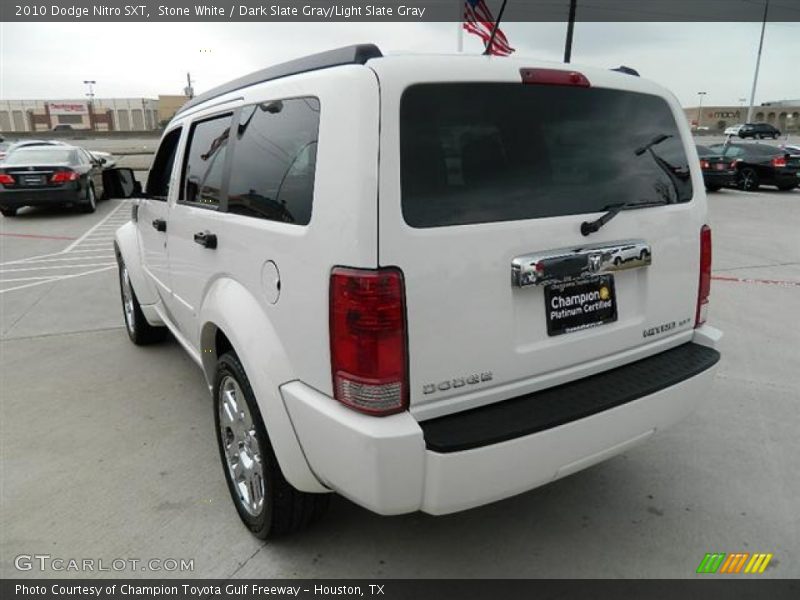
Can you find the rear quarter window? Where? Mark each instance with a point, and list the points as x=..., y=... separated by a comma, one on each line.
x=487, y=152
x=274, y=161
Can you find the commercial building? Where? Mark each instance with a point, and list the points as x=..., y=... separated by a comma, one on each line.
x=783, y=114
x=99, y=114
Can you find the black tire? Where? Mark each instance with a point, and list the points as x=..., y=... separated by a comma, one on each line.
x=139, y=330
x=775, y=136
x=748, y=180
x=713, y=188
x=89, y=205
x=8, y=212
x=283, y=509
x=787, y=188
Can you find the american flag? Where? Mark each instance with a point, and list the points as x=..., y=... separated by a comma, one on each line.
x=478, y=19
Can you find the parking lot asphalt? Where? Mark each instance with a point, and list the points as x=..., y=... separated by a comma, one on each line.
x=108, y=451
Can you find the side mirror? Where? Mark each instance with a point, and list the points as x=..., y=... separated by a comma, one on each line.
x=120, y=183
x=101, y=161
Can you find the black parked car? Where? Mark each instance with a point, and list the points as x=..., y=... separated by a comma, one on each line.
x=759, y=130
x=718, y=171
x=760, y=164
x=50, y=175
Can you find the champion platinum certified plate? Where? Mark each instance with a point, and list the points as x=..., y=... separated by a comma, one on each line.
x=576, y=305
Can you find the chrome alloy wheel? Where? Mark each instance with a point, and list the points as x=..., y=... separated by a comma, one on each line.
x=127, y=298
x=242, y=452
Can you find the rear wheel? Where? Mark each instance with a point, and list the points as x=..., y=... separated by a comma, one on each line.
x=90, y=203
x=787, y=187
x=748, y=180
x=713, y=188
x=139, y=330
x=267, y=504
x=8, y=212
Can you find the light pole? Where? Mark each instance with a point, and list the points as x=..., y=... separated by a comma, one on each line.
x=90, y=95
x=758, y=64
x=700, y=108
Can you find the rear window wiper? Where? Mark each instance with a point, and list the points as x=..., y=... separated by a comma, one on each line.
x=588, y=227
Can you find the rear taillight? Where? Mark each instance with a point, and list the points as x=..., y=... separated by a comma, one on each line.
x=704, y=289
x=779, y=162
x=6, y=179
x=368, y=339
x=554, y=77
x=63, y=176
x=704, y=164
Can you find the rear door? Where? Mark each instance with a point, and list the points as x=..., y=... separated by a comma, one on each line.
x=482, y=177
x=95, y=172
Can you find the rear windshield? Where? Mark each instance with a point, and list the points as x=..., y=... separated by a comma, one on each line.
x=42, y=155
x=485, y=152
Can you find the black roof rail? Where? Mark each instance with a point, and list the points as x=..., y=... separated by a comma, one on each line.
x=349, y=55
x=626, y=70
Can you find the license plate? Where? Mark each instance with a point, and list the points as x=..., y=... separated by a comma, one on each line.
x=720, y=166
x=580, y=304
x=33, y=180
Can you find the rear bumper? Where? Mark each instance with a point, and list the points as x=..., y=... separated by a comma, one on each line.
x=16, y=198
x=719, y=178
x=395, y=465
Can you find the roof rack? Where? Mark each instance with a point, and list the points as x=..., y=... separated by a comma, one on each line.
x=349, y=55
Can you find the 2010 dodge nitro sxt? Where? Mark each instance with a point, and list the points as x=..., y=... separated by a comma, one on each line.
x=425, y=282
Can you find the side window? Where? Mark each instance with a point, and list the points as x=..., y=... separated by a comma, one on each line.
x=161, y=171
x=205, y=160
x=274, y=161
x=733, y=151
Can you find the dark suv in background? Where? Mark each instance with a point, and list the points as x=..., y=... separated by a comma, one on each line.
x=759, y=130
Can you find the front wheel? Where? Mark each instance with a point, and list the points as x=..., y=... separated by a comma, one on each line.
x=139, y=330
x=748, y=180
x=267, y=504
x=8, y=212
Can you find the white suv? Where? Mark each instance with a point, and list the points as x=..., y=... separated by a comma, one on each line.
x=397, y=275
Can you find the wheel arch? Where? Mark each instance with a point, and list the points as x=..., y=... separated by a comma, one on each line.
x=232, y=319
x=126, y=249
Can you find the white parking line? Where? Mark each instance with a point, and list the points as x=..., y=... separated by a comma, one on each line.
x=54, y=267
x=54, y=279
x=91, y=253
x=72, y=258
x=97, y=225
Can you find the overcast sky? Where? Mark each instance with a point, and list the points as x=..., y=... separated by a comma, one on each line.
x=51, y=60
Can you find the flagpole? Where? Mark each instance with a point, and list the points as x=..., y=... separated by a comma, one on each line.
x=570, y=29
x=494, y=29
